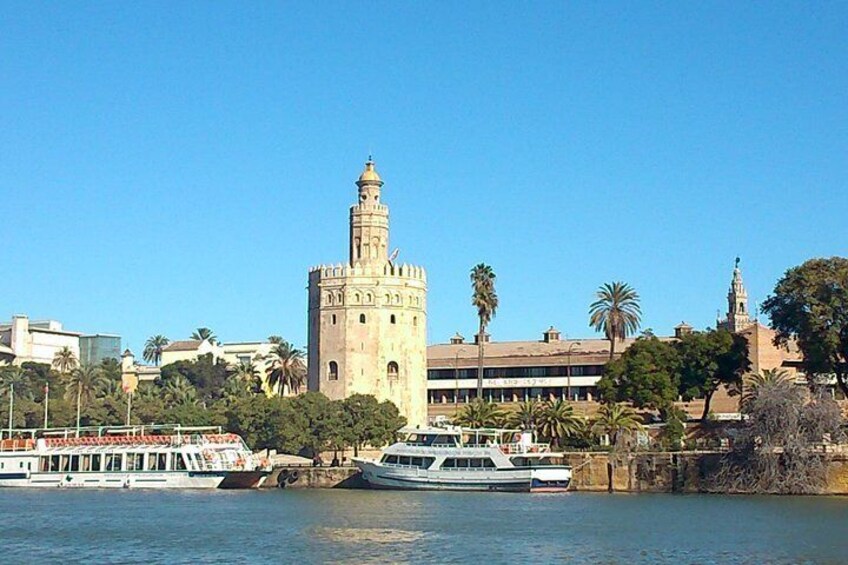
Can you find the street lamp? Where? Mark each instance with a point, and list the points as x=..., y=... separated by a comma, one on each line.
x=571, y=346
x=456, y=380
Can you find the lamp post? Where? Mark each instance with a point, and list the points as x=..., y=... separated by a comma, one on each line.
x=571, y=346
x=456, y=381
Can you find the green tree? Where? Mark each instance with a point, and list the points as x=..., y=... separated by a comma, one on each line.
x=485, y=299
x=754, y=382
x=206, y=374
x=557, y=421
x=614, y=420
x=286, y=369
x=204, y=334
x=153, y=348
x=646, y=374
x=525, y=416
x=65, y=360
x=616, y=312
x=709, y=360
x=178, y=391
x=371, y=423
x=82, y=387
x=479, y=414
x=810, y=305
x=319, y=413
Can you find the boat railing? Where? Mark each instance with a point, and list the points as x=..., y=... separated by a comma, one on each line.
x=521, y=448
x=17, y=445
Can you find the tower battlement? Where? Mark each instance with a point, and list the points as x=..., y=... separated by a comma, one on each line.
x=346, y=270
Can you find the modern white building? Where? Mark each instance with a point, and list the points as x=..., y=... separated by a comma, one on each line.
x=23, y=340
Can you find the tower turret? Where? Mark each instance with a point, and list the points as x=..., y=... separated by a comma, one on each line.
x=369, y=221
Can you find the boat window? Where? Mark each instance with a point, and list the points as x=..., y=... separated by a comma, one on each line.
x=416, y=462
x=475, y=463
x=445, y=440
x=449, y=463
x=54, y=463
x=113, y=461
x=403, y=460
x=95, y=462
x=135, y=461
x=75, y=463
x=162, y=462
x=178, y=462
x=63, y=463
x=390, y=459
x=85, y=463
x=43, y=464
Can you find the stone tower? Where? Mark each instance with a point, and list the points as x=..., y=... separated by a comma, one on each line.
x=368, y=316
x=737, y=304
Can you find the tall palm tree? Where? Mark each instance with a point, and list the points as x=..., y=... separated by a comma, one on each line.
x=15, y=378
x=526, y=416
x=153, y=348
x=204, y=333
x=83, y=384
x=286, y=368
x=485, y=299
x=616, y=312
x=557, y=421
x=612, y=420
x=479, y=414
x=753, y=383
x=65, y=361
x=275, y=339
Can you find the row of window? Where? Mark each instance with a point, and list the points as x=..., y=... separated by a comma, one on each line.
x=517, y=372
x=450, y=463
x=333, y=299
x=404, y=461
x=521, y=394
x=392, y=370
x=362, y=319
x=112, y=462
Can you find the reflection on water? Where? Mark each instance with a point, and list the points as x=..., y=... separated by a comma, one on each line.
x=338, y=526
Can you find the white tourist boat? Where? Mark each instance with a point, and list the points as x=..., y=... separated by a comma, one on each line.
x=454, y=458
x=128, y=457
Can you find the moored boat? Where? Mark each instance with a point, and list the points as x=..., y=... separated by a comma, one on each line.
x=454, y=458
x=162, y=456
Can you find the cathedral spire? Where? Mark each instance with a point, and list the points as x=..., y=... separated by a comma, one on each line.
x=738, y=317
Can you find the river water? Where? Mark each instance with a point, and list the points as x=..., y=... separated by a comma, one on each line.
x=318, y=526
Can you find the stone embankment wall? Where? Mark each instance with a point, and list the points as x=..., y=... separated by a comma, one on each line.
x=685, y=472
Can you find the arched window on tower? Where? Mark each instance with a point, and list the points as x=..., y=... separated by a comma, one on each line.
x=333, y=371
x=362, y=318
x=392, y=370
x=392, y=319
x=334, y=319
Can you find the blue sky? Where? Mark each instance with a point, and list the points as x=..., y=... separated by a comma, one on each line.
x=165, y=166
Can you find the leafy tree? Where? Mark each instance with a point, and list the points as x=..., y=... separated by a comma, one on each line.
x=65, y=360
x=557, y=421
x=526, y=416
x=485, y=299
x=371, y=422
x=810, y=305
x=153, y=348
x=206, y=375
x=616, y=312
x=646, y=375
x=320, y=417
x=286, y=369
x=709, y=360
x=613, y=420
x=479, y=414
x=204, y=334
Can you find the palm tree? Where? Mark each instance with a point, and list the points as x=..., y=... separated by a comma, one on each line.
x=204, y=333
x=285, y=368
x=153, y=348
x=485, y=299
x=526, y=416
x=753, y=383
x=178, y=391
x=613, y=419
x=275, y=339
x=83, y=384
x=616, y=312
x=479, y=414
x=15, y=378
x=557, y=421
x=65, y=361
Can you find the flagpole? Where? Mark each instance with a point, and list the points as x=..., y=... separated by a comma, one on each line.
x=129, y=406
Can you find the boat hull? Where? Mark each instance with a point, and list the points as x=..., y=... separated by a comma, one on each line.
x=551, y=479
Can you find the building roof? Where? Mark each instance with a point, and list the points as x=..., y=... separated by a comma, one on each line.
x=369, y=174
x=185, y=345
x=519, y=349
x=5, y=350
